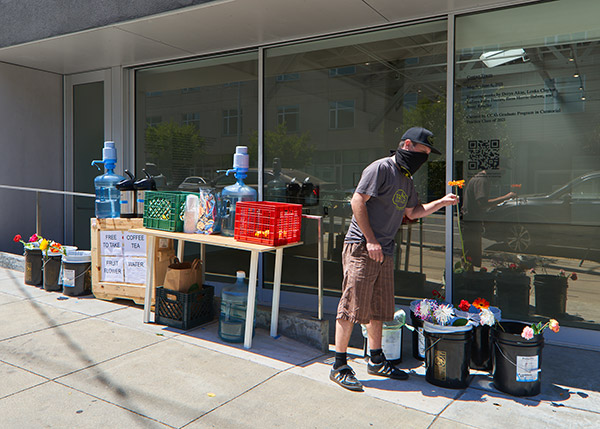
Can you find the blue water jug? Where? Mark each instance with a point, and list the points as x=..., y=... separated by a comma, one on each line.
x=234, y=300
x=107, y=194
x=237, y=192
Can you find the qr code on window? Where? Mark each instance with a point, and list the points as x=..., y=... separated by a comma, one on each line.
x=484, y=155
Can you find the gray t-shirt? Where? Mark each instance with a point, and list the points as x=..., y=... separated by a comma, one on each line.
x=391, y=191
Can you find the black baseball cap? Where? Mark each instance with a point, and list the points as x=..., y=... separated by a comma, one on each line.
x=422, y=136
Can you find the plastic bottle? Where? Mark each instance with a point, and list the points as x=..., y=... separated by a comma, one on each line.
x=234, y=300
x=276, y=188
x=237, y=192
x=107, y=194
x=128, y=198
x=190, y=215
x=141, y=186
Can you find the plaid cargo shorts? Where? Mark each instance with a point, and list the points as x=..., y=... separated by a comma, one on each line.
x=368, y=286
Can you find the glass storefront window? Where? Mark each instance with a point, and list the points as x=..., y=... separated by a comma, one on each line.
x=189, y=119
x=526, y=141
x=354, y=97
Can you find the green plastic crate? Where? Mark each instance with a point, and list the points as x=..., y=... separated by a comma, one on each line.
x=164, y=210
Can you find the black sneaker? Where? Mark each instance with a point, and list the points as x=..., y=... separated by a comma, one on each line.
x=386, y=369
x=344, y=376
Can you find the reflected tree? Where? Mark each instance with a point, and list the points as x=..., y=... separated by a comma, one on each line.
x=175, y=149
x=294, y=150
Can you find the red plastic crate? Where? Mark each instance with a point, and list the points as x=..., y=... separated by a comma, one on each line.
x=269, y=223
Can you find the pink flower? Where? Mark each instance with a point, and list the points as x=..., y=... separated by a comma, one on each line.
x=33, y=238
x=527, y=333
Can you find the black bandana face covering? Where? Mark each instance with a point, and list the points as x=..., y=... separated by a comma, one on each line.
x=411, y=160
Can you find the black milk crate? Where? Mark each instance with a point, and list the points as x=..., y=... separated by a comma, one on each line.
x=184, y=310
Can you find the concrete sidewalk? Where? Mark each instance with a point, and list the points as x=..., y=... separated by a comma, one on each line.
x=81, y=362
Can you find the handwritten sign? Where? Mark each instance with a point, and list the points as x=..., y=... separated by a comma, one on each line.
x=112, y=269
x=134, y=244
x=135, y=270
x=111, y=243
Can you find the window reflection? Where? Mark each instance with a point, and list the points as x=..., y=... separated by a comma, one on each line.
x=189, y=119
x=357, y=95
x=525, y=114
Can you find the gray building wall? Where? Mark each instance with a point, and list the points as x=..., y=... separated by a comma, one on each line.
x=31, y=120
x=24, y=21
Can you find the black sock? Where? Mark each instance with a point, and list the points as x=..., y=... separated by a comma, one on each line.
x=341, y=359
x=377, y=355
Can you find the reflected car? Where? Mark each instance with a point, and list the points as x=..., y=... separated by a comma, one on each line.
x=566, y=218
x=192, y=184
x=302, y=188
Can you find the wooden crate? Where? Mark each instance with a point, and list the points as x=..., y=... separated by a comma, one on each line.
x=108, y=290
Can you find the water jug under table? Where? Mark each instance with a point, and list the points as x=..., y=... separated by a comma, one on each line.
x=234, y=301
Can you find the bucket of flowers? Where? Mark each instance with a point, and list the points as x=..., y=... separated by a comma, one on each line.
x=53, y=252
x=33, y=259
x=447, y=344
x=518, y=356
x=483, y=317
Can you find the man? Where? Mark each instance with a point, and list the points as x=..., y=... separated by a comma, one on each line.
x=385, y=193
x=476, y=202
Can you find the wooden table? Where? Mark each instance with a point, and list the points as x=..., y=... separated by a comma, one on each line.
x=218, y=240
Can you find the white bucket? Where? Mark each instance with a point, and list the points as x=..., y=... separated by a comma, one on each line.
x=440, y=329
x=77, y=256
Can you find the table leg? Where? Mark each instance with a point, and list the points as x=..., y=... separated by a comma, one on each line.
x=251, y=299
x=203, y=259
x=180, y=247
x=151, y=246
x=276, y=290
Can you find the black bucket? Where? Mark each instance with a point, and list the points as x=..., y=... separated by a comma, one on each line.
x=76, y=273
x=481, y=349
x=517, y=361
x=550, y=294
x=447, y=356
x=472, y=285
x=512, y=295
x=33, y=267
x=52, y=273
x=418, y=338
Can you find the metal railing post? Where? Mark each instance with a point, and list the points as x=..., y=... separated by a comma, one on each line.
x=319, y=220
x=38, y=214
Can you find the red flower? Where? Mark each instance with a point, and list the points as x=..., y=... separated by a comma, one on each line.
x=574, y=276
x=483, y=269
x=513, y=266
x=464, y=305
x=17, y=238
x=33, y=238
x=481, y=303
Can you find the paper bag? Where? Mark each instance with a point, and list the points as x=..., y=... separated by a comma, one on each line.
x=181, y=275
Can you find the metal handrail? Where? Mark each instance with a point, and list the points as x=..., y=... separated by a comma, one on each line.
x=38, y=207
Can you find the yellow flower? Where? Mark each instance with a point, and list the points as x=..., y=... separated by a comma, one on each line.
x=554, y=327
x=43, y=244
